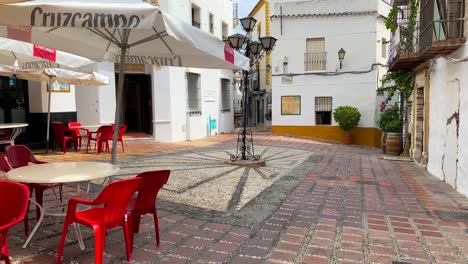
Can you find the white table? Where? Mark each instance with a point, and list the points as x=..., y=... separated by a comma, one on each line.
x=60, y=172
x=16, y=130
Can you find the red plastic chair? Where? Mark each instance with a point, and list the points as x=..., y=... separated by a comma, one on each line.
x=101, y=137
x=62, y=135
x=78, y=134
x=20, y=156
x=4, y=165
x=145, y=203
x=108, y=214
x=14, y=199
x=122, y=130
x=6, y=134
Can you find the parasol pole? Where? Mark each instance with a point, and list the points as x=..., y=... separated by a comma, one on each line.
x=48, y=117
x=118, y=108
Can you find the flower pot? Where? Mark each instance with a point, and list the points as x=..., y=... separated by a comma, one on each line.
x=348, y=138
x=394, y=144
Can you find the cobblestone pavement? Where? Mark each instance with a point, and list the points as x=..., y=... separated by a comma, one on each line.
x=316, y=202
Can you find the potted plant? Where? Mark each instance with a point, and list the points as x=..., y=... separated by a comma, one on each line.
x=348, y=118
x=389, y=122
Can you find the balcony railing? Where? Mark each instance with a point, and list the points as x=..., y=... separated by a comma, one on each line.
x=315, y=61
x=440, y=30
x=412, y=44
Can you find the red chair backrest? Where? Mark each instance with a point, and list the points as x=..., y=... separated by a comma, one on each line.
x=5, y=133
x=59, y=129
x=74, y=124
x=20, y=156
x=150, y=184
x=14, y=198
x=115, y=198
x=4, y=165
x=105, y=132
x=122, y=130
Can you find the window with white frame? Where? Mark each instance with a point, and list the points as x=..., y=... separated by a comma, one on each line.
x=323, y=110
x=384, y=48
x=225, y=95
x=211, y=23
x=315, y=58
x=195, y=16
x=193, y=94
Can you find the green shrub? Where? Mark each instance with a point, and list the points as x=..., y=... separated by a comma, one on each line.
x=390, y=120
x=347, y=117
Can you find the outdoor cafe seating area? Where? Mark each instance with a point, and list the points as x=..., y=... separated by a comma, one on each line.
x=119, y=204
x=85, y=137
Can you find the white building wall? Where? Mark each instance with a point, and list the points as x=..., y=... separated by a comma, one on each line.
x=360, y=35
x=171, y=122
x=448, y=141
x=60, y=102
x=95, y=105
x=448, y=95
x=354, y=90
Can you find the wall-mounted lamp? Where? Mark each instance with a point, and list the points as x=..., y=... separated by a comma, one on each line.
x=341, y=55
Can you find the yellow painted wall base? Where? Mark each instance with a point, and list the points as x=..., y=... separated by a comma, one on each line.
x=366, y=136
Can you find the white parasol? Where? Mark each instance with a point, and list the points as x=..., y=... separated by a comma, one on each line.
x=50, y=76
x=33, y=56
x=122, y=31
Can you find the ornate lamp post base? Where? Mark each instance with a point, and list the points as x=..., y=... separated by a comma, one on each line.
x=245, y=147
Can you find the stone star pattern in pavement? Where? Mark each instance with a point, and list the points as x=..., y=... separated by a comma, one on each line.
x=334, y=204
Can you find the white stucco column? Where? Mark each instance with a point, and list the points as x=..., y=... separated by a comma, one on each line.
x=96, y=104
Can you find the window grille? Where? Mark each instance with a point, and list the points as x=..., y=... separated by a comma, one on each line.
x=323, y=110
x=193, y=93
x=225, y=95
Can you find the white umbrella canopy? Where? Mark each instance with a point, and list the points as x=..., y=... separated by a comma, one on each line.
x=51, y=76
x=122, y=31
x=3, y=2
x=33, y=56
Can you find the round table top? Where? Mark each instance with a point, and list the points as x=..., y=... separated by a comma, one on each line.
x=13, y=125
x=61, y=172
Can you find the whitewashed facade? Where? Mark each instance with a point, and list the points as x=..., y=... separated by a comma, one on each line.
x=165, y=107
x=305, y=61
x=447, y=152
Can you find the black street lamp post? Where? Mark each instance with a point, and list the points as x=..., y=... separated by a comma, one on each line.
x=255, y=51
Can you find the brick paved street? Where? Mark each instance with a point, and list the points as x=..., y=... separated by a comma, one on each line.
x=315, y=202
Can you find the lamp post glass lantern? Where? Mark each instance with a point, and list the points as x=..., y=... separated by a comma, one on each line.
x=341, y=55
x=255, y=51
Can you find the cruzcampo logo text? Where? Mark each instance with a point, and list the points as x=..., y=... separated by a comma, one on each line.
x=97, y=20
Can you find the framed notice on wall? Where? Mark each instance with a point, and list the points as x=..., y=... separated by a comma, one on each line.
x=291, y=105
x=58, y=88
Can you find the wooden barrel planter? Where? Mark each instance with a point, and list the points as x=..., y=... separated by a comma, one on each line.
x=394, y=144
x=383, y=142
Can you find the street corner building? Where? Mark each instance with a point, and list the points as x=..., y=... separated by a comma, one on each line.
x=328, y=54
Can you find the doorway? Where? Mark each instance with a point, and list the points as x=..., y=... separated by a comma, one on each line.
x=137, y=102
x=14, y=105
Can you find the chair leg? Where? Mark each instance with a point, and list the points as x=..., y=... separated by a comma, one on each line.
x=156, y=225
x=99, y=241
x=39, y=198
x=64, y=146
x=62, y=240
x=128, y=233
x=26, y=218
x=136, y=223
x=123, y=148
